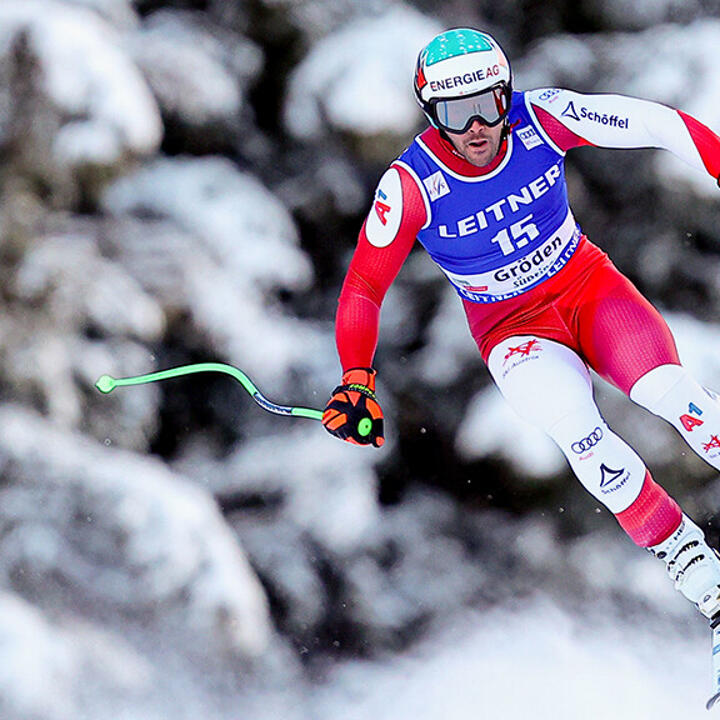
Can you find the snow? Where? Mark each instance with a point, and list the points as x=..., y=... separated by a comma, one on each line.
x=123, y=528
x=537, y=660
x=644, y=13
x=491, y=427
x=191, y=72
x=64, y=273
x=317, y=18
x=698, y=345
x=41, y=657
x=119, y=13
x=669, y=63
x=222, y=226
x=126, y=593
x=49, y=271
x=85, y=74
x=450, y=347
x=338, y=509
x=357, y=79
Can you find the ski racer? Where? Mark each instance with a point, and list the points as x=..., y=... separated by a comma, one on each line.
x=483, y=190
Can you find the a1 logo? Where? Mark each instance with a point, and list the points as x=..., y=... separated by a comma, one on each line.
x=382, y=208
x=383, y=221
x=689, y=422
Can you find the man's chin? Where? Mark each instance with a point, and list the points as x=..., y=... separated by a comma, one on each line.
x=479, y=158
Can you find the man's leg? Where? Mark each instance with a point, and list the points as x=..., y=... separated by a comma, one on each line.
x=549, y=385
x=670, y=392
x=627, y=341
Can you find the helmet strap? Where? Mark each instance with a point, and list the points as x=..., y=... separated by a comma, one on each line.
x=505, y=129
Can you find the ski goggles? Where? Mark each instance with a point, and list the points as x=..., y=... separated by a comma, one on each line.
x=456, y=115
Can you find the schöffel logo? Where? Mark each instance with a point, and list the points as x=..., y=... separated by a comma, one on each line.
x=607, y=475
x=586, y=443
x=570, y=111
x=602, y=118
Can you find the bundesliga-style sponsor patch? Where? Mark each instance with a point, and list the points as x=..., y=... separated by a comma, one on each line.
x=436, y=185
x=530, y=139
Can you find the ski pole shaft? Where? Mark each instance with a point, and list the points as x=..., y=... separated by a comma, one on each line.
x=106, y=384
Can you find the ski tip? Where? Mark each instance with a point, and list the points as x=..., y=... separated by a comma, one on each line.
x=105, y=384
x=712, y=701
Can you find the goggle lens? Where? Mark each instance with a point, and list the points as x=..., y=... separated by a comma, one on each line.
x=457, y=114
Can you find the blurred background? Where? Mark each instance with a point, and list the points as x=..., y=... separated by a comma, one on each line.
x=183, y=181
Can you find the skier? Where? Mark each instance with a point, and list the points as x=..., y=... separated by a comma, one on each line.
x=484, y=192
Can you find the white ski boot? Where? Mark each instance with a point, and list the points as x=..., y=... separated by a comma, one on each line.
x=693, y=566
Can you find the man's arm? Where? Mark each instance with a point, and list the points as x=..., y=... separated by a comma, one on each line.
x=386, y=238
x=399, y=211
x=572, y=119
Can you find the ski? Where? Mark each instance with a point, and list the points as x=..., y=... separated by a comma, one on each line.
x=715, y=697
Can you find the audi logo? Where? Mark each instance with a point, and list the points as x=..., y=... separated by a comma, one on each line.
x=586, y=443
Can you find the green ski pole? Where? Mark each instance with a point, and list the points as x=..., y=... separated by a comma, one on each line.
x=106, y=384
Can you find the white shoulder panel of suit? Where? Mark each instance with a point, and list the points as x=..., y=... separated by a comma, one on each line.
x=618, y=121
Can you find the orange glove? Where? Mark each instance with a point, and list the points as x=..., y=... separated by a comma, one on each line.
x=352, y=413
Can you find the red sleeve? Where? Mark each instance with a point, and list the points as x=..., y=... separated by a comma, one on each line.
x=563, y=137
x=706, y=142
x=371, y=273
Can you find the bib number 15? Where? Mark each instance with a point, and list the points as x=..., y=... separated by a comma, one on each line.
x=518, y=235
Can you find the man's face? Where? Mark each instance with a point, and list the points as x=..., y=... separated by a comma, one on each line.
x=480, y=144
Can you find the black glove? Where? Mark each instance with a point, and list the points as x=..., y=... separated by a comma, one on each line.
x=353, y=413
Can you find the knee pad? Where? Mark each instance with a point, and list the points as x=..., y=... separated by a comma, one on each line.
x=670, y=392
x=653, y=389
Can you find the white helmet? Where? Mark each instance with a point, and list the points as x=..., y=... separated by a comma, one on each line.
x=463, y=75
